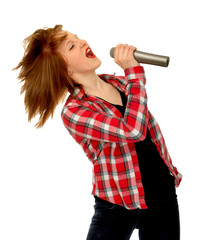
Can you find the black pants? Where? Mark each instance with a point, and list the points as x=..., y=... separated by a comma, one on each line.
x=113, y=222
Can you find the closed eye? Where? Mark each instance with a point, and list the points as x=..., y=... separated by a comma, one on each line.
x=72, y=46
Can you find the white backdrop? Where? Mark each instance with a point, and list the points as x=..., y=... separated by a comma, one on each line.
x=45, y=178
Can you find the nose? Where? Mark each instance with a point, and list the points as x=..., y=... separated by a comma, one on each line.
x=82, y=43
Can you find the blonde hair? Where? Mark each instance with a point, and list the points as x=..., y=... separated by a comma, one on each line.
x=44, y=73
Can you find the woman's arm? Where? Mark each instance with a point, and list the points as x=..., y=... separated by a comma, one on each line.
x=83, y=122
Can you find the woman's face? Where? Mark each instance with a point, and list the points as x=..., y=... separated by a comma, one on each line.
x=78, y=55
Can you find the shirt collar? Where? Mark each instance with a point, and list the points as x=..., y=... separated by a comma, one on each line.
x=78, y=93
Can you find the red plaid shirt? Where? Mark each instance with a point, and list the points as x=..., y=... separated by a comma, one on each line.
x=108, y=138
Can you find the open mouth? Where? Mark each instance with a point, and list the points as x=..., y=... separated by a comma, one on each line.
x=89, y=53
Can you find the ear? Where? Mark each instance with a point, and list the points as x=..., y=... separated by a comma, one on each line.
x=70, y=72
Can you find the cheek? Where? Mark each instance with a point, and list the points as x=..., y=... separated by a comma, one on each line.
x=75, y=62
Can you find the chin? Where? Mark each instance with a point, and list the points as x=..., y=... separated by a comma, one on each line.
x=98, y=63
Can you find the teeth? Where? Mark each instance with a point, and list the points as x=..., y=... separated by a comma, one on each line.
x=89, y=53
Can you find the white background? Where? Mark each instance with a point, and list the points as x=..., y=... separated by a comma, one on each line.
x=45, y=178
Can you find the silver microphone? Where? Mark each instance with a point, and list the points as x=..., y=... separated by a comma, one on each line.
x=148, y=58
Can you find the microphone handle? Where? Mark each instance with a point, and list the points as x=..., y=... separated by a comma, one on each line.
x=148, y=58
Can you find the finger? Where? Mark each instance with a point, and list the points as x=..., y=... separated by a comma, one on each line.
x=132, y=49
x=116, y=50
x=125, y=51
x=119, y=51
x=129, y=53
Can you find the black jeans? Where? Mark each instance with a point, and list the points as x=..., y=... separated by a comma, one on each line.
x=113, y=222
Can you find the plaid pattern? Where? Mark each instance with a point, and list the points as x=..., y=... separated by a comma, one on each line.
x=108, y=138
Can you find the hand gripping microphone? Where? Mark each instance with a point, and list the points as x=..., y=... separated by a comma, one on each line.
x=148, y=58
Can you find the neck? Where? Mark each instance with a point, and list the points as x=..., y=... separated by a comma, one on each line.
x=91, y=82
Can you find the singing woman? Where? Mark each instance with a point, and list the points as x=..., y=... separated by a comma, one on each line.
x=134, y=180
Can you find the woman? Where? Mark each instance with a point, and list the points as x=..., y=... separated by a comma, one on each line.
x=133, y=176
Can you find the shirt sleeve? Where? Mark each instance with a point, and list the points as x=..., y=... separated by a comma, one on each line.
x=95, y=125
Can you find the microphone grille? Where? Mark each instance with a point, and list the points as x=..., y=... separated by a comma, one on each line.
x=112, y=52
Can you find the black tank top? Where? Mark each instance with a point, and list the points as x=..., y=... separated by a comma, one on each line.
x=158, y=183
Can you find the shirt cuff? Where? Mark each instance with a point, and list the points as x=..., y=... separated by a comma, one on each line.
x=133, y=74
x=136, y=69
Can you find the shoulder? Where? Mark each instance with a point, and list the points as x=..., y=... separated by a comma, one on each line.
x=73, y=103
x=116, y=81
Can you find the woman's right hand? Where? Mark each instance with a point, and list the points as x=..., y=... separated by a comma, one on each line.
x=124, y=57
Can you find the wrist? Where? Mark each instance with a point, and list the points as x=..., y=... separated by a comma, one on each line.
x=136, y=64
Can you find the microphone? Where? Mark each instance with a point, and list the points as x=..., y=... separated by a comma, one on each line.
x=148, y=58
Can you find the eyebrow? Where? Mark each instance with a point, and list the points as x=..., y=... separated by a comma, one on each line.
x=75, y=35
